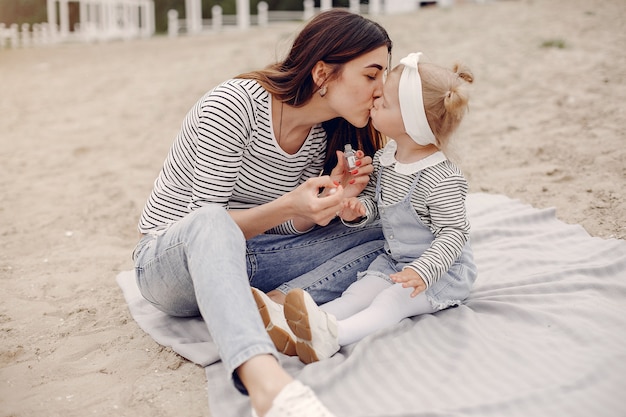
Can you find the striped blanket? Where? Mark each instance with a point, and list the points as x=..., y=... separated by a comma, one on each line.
x=542, y=334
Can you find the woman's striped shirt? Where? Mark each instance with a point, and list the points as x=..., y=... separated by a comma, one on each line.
x=226, y=154
x=438, y=200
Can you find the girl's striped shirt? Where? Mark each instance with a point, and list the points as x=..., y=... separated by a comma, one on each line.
x=438, y=200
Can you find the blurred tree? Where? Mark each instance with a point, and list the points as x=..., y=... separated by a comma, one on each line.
x=161, y=8
x=34, y=11
x=23, y=11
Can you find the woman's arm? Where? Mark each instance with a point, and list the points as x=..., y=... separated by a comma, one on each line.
x=304, y=205
x=223, y=131
x=225, y=124
x=352, y=183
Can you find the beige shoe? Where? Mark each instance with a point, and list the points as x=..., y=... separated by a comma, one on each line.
x=316, y=330
x=297, y=400
x=274, y=320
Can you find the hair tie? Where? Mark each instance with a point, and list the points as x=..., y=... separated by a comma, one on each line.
x=412, y=102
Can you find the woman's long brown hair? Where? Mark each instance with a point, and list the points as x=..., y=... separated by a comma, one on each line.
x=334, y=37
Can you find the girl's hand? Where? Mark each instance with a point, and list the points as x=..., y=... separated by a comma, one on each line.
x=409, y=278
x=353, y=182
x=352, y=209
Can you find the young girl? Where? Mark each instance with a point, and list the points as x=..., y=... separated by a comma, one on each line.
x=419, y=195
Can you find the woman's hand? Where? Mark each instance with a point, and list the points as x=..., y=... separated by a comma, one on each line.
x=310, y=207
x=353, y=182
x=409, y=278
x=303, y=205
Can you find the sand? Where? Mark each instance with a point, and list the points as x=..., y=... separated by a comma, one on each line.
x=84, y=129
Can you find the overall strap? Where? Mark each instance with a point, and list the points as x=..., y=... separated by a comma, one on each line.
x=414, y=184
x=378, y=178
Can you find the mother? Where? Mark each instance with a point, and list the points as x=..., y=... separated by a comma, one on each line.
x=238, y=202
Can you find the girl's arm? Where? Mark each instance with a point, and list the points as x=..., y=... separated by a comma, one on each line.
x=446, y=203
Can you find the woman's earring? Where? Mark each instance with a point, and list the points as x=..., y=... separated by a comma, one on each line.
x=323, y=91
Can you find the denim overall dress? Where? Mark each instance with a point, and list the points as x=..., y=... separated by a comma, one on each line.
x=407, y=238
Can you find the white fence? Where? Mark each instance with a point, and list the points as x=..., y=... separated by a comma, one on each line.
x=102, y=20
x=16, y=36
x=193, y=22
x=176, y=26
x=99, y=20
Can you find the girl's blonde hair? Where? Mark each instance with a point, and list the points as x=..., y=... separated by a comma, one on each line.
x=446, y=96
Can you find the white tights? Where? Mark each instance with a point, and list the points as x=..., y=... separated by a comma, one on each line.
x=371, y=304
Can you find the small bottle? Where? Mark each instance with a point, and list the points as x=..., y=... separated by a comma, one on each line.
x=350, y=156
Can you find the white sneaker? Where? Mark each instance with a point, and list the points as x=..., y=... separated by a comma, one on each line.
x=316, y=330
x=297, y=400
x=274, y=320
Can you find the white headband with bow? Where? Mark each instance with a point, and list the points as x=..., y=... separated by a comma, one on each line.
x=412, y=103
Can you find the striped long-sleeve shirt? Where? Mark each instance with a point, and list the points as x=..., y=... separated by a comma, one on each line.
x=226, y=154
x=438, y=200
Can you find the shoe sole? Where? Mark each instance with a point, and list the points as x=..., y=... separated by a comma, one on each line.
x=281, y=339
x=298, y=320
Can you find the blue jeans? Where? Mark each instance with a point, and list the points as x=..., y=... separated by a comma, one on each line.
x=202, y=265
